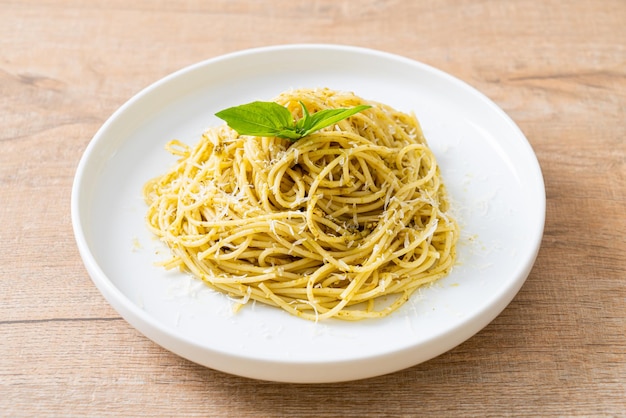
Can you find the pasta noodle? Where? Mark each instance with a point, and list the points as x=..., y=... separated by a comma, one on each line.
x=346, y=222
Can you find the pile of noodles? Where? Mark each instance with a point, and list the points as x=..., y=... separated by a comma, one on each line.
x=347, y=222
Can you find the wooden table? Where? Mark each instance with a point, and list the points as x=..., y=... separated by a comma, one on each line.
x=557, y=68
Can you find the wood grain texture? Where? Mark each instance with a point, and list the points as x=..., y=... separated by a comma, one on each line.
x=557, y=68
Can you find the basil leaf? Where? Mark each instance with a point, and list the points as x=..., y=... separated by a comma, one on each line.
x=300, y=124
x=328, y=117
x=272, y=119
x=259, y=119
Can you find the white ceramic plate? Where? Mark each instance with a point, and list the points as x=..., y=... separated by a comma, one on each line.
x=489, y=168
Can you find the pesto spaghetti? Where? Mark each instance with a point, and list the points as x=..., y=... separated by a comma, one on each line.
x=346, y=222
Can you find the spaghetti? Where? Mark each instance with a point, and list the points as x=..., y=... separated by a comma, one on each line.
x=346, y=222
